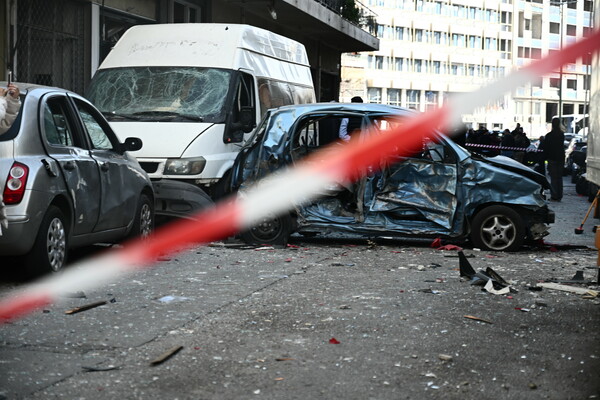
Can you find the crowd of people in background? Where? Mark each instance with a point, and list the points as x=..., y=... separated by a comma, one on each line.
x=516, y=145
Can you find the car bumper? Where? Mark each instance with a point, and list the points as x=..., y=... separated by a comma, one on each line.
x=179, y=199
x=17, y=239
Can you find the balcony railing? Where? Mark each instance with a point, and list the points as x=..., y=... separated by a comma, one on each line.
x=355, y=12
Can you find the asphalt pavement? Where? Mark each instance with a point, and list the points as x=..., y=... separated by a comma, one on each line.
x=322, y=319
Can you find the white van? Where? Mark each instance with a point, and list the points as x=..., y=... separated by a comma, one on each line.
x=194, y=93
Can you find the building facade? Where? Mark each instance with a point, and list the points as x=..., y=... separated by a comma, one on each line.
x=62, y=42
x=431, y=49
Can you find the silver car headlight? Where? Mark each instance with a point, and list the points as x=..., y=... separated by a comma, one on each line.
x=184, y=166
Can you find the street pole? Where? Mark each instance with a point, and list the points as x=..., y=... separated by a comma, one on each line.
x=560, y=74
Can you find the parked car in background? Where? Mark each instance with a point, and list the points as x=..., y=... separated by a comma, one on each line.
x=444, y=191
x=67, y=181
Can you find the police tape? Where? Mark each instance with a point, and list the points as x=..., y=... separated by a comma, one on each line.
x=278, y=192
x=496, y=147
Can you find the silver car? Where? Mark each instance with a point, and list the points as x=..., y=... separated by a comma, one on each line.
x=67, y=181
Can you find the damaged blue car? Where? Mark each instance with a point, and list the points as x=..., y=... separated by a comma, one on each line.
x=443, y=191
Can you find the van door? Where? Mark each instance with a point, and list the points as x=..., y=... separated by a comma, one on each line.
x=242, y=115
x=66, y=146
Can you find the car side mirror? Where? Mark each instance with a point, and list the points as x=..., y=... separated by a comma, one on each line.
x=132, y=144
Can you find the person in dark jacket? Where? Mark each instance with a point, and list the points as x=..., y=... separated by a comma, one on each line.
x=554, y=153
x=508, y=141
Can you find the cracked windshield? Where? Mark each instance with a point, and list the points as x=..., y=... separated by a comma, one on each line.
x=162, y=93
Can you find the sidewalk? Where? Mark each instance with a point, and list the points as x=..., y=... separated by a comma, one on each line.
x=570, y=212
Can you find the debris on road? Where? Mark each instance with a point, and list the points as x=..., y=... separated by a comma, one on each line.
x=489, y=287
x=588, y=293
x=86, y=307
x=166, y=355
x=474, y=318
x=100, y=369
x=171, y=299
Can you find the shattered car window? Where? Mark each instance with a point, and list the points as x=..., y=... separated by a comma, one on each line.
x=155, y=93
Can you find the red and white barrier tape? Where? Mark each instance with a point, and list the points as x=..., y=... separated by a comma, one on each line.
x=278, y=192
x=491, y=146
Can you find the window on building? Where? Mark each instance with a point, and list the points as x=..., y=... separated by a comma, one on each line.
x=505, y=48
x=536, y=26
x=458, y=40
x=436, y=67
x=393, y=97
x=572, y=84
x=185, y=12
x=431, y=100
x=418, y=35
x=588, y=5
x=536, y=53
x=571, y=30
x=374, y=95
x=398, y=64
x=471, y=70
x=457, y=69
x=379, y=62
x=418, y=66
x=399, y=33
x=380, y=30
x=572, y=4
x=554, y=83
x=413, y=99
x=555, y=28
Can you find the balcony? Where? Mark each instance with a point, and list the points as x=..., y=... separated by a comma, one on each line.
x=329, y=21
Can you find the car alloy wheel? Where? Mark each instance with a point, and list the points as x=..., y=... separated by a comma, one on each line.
x=498, y=228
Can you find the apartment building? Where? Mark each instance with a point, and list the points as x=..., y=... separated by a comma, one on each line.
x=432, y=49
x=62, y=42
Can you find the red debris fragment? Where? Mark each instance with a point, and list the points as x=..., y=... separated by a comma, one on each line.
x=436, y=243
x=334, y=341
x=450, y=247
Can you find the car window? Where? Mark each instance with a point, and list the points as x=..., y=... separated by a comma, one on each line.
x=314, y=132
x=100, y=139
x=57, y=128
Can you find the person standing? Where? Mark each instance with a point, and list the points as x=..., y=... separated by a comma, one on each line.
x=554, y=153
x=9, y=107
x=349, y=125
x=508, y=143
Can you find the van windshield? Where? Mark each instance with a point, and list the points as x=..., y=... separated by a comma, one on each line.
x=179, y=94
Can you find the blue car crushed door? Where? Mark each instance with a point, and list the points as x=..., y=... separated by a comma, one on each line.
x=444, y=191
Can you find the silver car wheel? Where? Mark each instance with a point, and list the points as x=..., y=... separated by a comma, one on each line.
x=145, y=220
x=56, y=244
x=498, y=232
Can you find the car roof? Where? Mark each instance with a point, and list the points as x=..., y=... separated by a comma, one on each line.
x=25, y=87
x=364, y=108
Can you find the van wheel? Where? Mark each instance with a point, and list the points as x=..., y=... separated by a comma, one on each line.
x=143, y=223
x=271, y=230
x=498, y=228
x=49, y=251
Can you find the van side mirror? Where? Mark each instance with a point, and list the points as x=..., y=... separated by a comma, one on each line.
x=244, y=123
x=132, y=144
x=247, y=119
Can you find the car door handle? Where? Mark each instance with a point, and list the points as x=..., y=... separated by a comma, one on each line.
x=104, y=167
x=69, y=165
